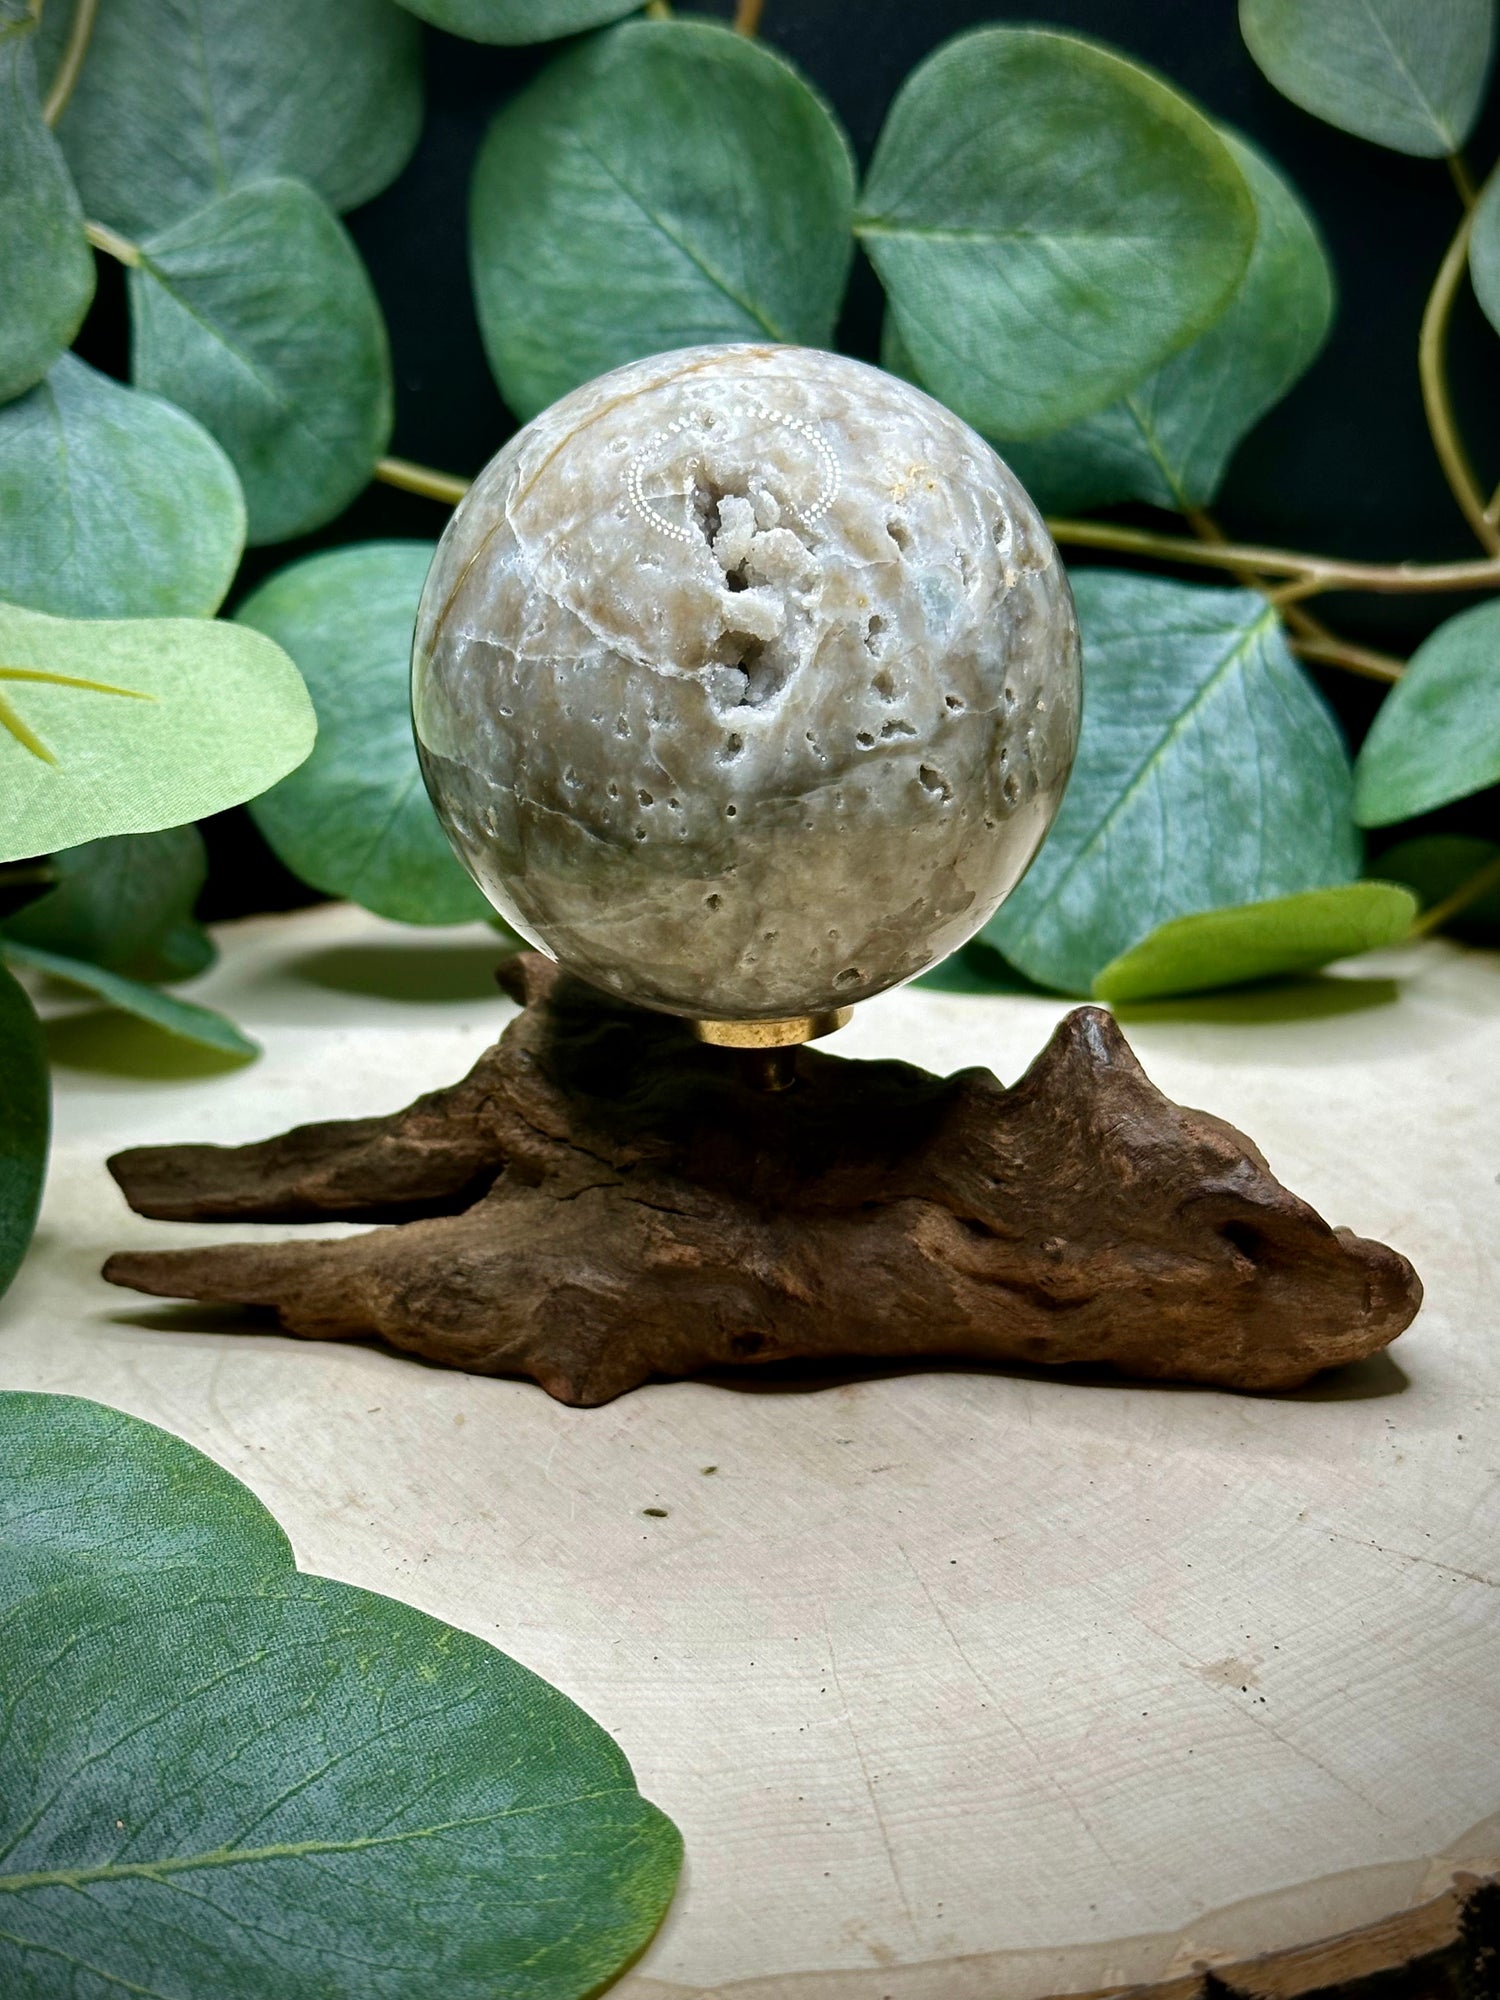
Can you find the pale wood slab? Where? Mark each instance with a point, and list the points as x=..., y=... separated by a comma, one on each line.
x=962, y=1684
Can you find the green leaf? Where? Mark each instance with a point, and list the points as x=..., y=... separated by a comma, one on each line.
x=177, y=104
x=125, y=904
x=256, y=315
x=1209, y=773
x=116, y=505
x=79, y=1479
x=25, y=1118
x=1259, y=941
x=519, y=20
x=126, y=726
x=355, y=819
x=662, y=185
x=184, y=1018
x=237, y=1783
x=1484, y=250
x=1409, y=74
x=1436, y=736
x=1050, y=222
x=1435, y=865
x=1169, y=440
x=46, y=266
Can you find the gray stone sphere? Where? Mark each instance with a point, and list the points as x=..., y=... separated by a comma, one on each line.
x=746, y=682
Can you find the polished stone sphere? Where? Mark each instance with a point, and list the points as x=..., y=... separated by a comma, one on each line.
x=746, y=682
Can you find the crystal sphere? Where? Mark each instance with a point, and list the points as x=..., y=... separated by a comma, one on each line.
x=746, y=682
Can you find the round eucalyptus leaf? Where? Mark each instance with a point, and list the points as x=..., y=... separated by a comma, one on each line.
x=116, y=504
x=1436, y=736
x=1409, y=74
x=519, y=20
x=257, y=317
x=1169, y=440
x=125, y=904
x=1435, y=865
x=1252, y=941
x=46, y=265
x=176, y=104
x=1209, y=773
x=185, y=1018
x=25, y=1119
x=79, y=1479
x=1050, y=223
x=1484, y=250
x=355, y=819
x=234, y=1779
x=126, y=726
x=662, y=185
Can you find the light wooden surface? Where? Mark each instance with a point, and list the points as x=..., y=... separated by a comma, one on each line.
x=961, y=1686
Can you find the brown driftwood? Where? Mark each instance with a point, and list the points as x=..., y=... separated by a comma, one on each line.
x=603, y=1200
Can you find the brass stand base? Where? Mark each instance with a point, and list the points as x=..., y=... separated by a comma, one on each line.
x=768, y=1049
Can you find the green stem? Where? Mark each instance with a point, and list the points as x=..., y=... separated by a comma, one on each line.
x=1478, y=884
x=112, y=243
x=747, y=15
x=76, y=48
x=1319, y=573
x=414, y=478
x=1432, y=371
x=658, y=10
x=1462, y=179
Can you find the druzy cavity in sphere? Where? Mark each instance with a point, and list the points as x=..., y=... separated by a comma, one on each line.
x=746, y=682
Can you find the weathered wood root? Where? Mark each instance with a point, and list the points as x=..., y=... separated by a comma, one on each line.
x=603, y=1200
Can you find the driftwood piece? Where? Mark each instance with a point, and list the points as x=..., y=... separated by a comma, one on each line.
x=603, y=1200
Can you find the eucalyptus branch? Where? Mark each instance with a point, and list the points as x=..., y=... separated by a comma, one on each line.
x=423, y=479
x=1478, y=884
x=74, y=51
x=112, y=243
x=747, y=15
x=1330, y=650
x=658, y=10
x=1463, y=180
x=1432, y=371
x=1318, y=573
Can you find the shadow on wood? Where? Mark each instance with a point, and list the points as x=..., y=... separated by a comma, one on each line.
x=603, y=1200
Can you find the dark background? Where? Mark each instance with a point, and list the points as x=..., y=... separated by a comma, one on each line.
x=1344, y=466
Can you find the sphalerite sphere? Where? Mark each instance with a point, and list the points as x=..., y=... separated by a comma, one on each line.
x=746, y=681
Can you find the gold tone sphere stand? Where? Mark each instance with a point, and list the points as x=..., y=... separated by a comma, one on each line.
x=768, y=1049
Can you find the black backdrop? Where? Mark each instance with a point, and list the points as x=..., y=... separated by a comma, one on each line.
x=1343, y=466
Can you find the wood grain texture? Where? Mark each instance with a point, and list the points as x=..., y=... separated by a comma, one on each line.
x=603, y=1201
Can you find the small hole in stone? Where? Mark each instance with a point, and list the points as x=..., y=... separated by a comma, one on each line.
x=900, y=727
x=622, y=727
x=713, y=902
x=736, y=579
x=850, y=976
x=865, y=740
x=645, y=798
x=952, y=701
x=1010, y=694
x=934, y=782
x=965, y=567
x=1011, y=790
x=746, y=1344
x=899, y=533
x=769, y=937
x=730, y=811
x=674, y=805
x=613, y=789
x=873, y=629
x=640, y=833
x=883, y=685
x=733, y=745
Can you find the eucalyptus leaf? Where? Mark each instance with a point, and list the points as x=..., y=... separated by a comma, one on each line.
x=1409, y=74
x=1484, y=250
x=1435, y=865
x=661, y=185
x=187, y=1019
x=256, y=315
x=46, y=266
x=25, y=1118
x=1169, y=440
x=1209, y=773
x=125, y=904
x=126, y=726
x=1050, y=222
x=355, y=819
x=1436, y=736
x=519, y=20
x=116, y=504
x=236, y=1779
x=1254, y=941
x=178, y=101
x=79, y=1479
